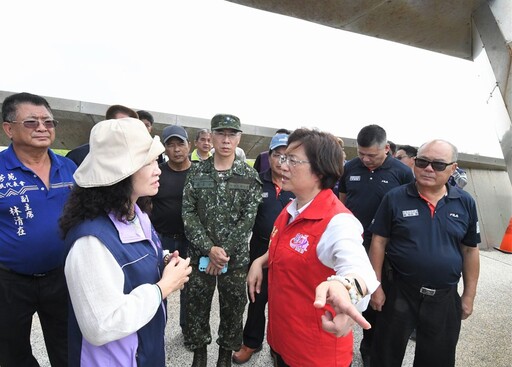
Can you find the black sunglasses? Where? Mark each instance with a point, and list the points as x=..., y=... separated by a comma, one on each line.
x=436, y=166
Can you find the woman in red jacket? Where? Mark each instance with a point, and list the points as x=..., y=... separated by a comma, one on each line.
x=315, y=238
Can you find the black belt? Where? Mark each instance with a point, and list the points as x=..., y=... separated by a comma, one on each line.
x=425, y=291
x=35, y=275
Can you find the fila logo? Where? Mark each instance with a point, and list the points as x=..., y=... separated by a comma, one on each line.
x=355, y=178
x=454, y=215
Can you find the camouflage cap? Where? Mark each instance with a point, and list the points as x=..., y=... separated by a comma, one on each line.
x=223, y=121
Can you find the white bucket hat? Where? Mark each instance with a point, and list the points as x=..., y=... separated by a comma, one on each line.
x=118, y=149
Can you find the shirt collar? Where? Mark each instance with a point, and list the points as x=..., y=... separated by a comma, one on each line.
x=128, y=232
x=12, y=161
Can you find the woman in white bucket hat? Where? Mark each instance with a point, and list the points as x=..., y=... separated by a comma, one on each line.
x=115, y=270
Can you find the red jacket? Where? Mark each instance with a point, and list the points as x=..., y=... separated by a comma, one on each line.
x=295, y=327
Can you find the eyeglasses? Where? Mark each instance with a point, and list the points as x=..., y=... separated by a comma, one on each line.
x=400, y=157
x=230, y=135
x=290, y=161
x=276, y=156
x=436, y=166
x=33, y=123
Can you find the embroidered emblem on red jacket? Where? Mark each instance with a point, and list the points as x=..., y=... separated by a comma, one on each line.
x=300, y=243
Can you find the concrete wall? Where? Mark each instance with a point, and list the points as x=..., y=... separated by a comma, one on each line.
x=492, y=192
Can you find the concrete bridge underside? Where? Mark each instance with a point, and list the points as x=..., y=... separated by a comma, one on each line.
x=459, y=28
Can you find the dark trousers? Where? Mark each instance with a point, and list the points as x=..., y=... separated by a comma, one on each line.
x=254, y=330
x=181, y=244
x=366, y=342
x=437, y=320
x=21, y=296
x=370, y=314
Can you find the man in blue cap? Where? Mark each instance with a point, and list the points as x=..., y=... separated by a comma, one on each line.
x=274, y=200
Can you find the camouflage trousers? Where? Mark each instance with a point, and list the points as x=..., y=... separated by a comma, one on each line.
x=232, y=289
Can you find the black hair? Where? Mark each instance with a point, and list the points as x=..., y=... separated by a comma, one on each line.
x=10, y=104
x=409, y=150
x=145, y=115
x=372, y=135
x=392, y=147
x=91, y=202
x=283, y=131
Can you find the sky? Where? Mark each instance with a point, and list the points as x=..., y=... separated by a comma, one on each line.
x=202, y=57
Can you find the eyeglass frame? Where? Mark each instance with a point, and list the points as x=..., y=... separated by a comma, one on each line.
x=433, y=164
x=276, y=155
x=31, y=121
x=291, y=162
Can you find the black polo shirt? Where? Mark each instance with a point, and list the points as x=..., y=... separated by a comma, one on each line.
x=365, y=188
x=424, y=248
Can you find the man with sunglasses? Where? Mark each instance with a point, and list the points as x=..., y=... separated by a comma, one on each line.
x=429, y=232
x=365, y=181
x=34, y=185
x=406, y=154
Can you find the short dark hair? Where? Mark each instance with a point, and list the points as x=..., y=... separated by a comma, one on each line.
x=324, y=153
x=113, y=110
x=372, y=135
x=145, y=115
x=409, y=150
x=10, y=104
x=283, y=131
x=392, y=147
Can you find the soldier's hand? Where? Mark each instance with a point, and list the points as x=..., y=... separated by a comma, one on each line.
x=218, y=257
x=212, y=269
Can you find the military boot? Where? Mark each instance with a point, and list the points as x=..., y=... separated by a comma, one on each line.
x=224, y=357
x=200, y=357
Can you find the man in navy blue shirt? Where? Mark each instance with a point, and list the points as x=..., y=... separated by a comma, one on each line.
x=429, y=233
x=34, y=185
x=365, y=181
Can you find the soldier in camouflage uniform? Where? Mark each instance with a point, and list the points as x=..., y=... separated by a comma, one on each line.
x=220, y=202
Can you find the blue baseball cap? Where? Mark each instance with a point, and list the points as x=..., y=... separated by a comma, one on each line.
x=278, y=140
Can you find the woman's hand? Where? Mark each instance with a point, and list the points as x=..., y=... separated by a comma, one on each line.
x=335, y=294
x=175, y=275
